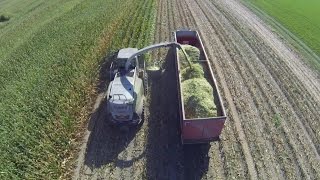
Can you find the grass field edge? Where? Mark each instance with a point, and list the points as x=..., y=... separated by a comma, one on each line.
x=291, y=39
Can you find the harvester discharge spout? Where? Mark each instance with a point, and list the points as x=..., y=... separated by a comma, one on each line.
x=156, y=46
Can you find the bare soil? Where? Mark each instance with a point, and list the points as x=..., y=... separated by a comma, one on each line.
x=272, y=99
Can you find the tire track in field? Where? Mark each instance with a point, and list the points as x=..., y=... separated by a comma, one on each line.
x=243, y=69
x=304, y=164
x=163, y=147
x=87, y=169
x=306, y=111
x=292, y=117
x=292, y=143
x=268, y=59
x=215, y=34
x=305, y=75
x=214, y=168
x=302, y=140
x=168, y=20
x=288, y=37
x=129, y=160
x=172, y=19
x=176, y=15
x=216, y=157
x=157, y=34
x=178, y=8
x=229, y=150
x=215, y=163
x=183, y=163
x=186, y=15
x=304, y=103
x=253, y=128
x=202, y=24
x=112, y=154
x=254, y=89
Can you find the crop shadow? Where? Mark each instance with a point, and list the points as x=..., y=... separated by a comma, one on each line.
x=196, y=161
x=106, y=142
x=166, y=157
x=4, y=18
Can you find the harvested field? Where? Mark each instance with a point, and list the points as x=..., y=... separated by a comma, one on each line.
x=271, y=95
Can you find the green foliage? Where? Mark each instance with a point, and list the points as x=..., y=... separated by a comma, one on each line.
x=192, y=52
x=198, y=98
x=302, y=17
x=196, y=90
x=191, y=86
x=196, y=71
x=49, y=61
x=277, y=120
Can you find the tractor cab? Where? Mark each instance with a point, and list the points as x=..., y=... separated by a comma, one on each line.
x=125, y=93
x=119, y=65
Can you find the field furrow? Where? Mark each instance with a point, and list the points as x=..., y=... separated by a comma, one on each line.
x=216, y=52
x=253, y=82
x=271, y=96
x=304, y=103
x=286, y=108
x=267, y=56
x=111, y=153
x=254, y=127
x=306, y=76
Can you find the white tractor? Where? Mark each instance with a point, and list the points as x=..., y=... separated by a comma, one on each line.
x=127, y=89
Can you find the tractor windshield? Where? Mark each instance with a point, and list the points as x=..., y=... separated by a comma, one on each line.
x=121, y=63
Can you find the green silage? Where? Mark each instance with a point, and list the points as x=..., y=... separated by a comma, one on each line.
x=198, y=98
x=192, y=52
x=196, y=90
x=196, y=71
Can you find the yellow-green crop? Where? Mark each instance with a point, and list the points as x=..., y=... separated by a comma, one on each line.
x=50, y=53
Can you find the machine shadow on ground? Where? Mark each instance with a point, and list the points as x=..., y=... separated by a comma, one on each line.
x=106, y=142
x=166, y=157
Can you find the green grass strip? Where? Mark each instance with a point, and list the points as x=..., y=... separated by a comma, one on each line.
x=300, y=17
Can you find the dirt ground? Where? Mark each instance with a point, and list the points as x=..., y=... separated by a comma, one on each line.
x=271, y=96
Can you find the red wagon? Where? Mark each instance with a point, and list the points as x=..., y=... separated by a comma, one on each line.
x=198, y=130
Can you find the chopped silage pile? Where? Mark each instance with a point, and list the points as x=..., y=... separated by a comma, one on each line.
x=193, y=53
x=196, y=90
x=196, y=71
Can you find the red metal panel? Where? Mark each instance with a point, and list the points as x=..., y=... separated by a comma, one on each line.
x=198, y=130
x=192, y=130
x=202, y=129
